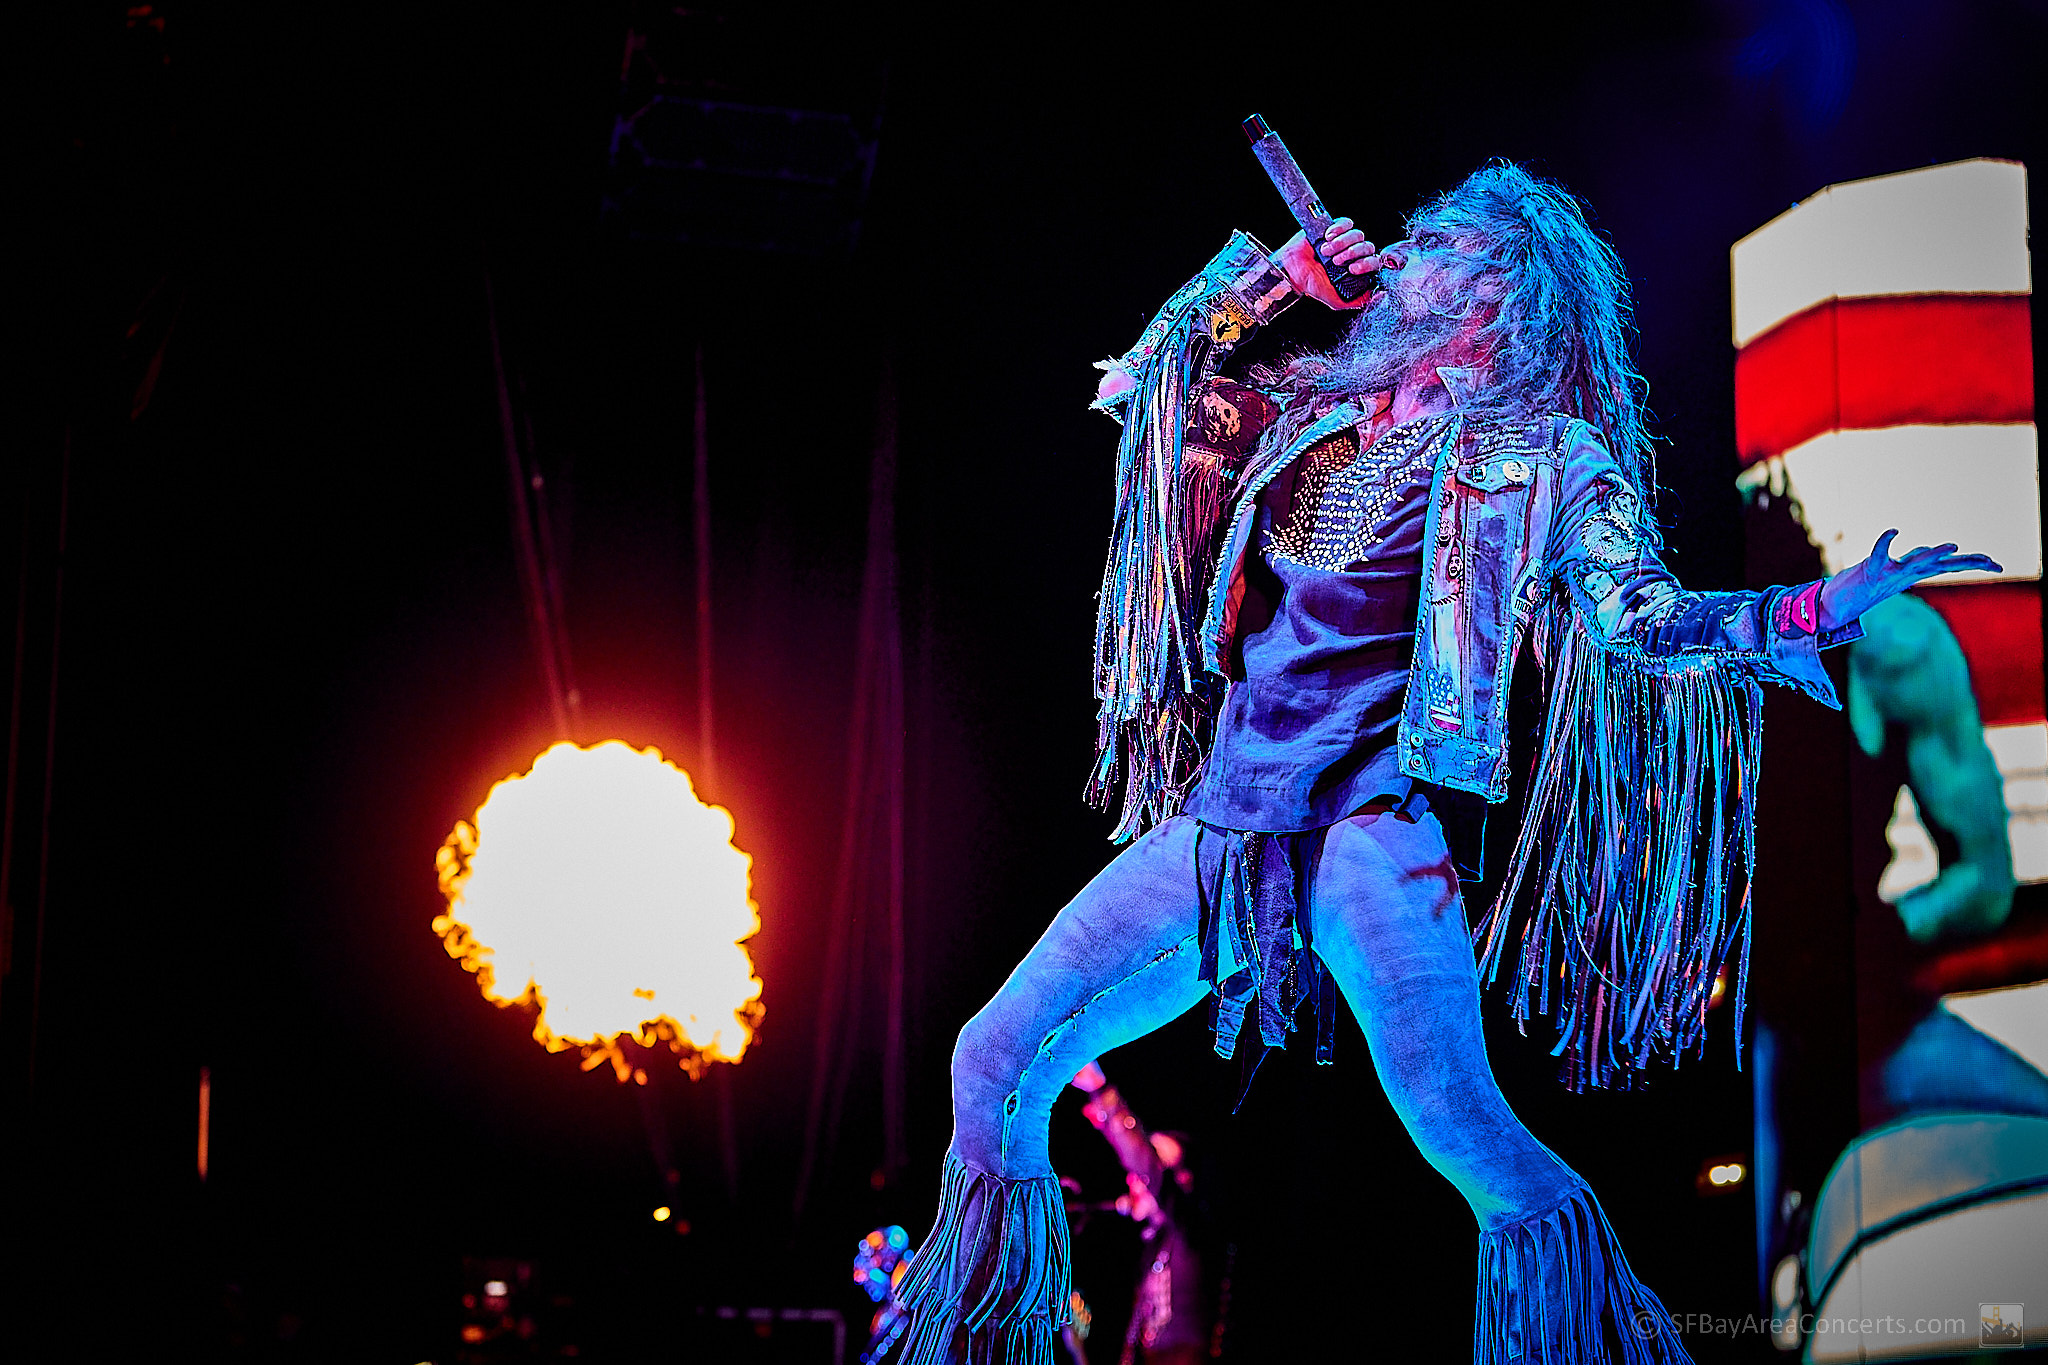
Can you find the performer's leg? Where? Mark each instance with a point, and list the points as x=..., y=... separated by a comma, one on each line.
x=1123, y=958
x=1387, y=920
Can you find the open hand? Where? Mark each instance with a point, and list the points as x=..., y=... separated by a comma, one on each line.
x=1347, y=248
x=1858, y=588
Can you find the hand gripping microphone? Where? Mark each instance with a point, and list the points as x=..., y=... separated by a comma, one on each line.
x=1302, y=202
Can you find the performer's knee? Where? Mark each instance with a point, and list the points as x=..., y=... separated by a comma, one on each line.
x=975, y=1064
x=984, y=1079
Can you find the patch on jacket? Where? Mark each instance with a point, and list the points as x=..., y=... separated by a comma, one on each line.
x=1228, y=419
x=1613, y=535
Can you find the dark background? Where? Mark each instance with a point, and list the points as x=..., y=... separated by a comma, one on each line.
x=292, y=650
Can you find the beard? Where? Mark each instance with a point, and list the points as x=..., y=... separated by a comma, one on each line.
x=1385, y=345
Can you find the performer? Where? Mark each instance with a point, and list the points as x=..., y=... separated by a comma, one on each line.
x=1174, y=1308
x=1320, y=576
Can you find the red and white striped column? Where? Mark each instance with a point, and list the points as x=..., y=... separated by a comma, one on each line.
x=1884, y=377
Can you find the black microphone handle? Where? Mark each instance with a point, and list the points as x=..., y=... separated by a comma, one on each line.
x=1286, y=174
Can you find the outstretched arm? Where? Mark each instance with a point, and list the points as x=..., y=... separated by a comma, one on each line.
x=1858, y=588
x=1604, y=549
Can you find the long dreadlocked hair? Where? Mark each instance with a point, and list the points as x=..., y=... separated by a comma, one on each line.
x=1560, y=337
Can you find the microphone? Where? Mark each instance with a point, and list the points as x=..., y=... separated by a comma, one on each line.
x=1285, y=173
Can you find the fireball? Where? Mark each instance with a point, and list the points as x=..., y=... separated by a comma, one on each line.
x=598, y=891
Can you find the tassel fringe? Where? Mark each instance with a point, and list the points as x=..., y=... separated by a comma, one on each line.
x=1556, y=1289
x=1639, y=843
x=1155, y=713
x=990, y=1285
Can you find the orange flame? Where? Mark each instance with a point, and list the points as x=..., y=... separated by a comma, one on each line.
x=615, y=899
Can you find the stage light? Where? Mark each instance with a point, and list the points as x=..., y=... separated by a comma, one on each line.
x=205, y=1116
x=880, y=1261
x=1721, y=1174
x=1785, y=1283
x=1786, y=1331
x=600, y=891
x=661, y=1215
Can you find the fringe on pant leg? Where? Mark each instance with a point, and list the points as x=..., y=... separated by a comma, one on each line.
x=990, y=1285
x=1556, y=1289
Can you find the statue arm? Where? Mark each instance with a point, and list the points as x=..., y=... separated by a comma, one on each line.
x=1909, y=672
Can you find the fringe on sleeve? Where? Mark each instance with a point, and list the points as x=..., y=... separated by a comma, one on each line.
x=1152, y=724
x=1637, y=849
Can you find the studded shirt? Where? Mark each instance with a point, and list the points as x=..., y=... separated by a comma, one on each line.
x=1306, y=736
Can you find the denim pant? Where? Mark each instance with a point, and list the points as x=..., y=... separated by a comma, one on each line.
x=1385, y=915
x=1122, y=959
